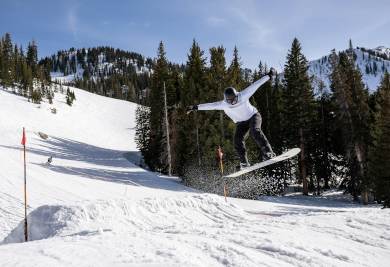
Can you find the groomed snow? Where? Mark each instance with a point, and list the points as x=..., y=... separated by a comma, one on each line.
x=92, y=207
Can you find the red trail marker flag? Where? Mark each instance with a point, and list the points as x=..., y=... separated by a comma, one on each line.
x=24, y=137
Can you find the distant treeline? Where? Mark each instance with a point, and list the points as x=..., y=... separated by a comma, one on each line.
x=104, y=70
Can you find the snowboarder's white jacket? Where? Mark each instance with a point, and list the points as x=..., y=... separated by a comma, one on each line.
x=242, y=110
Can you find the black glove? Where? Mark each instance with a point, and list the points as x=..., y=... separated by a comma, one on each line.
x=272, y=72
x=191, y=108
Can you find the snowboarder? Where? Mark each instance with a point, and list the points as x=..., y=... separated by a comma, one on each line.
x=236, y=105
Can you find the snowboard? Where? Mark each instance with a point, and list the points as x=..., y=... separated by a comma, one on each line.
x=286, y=155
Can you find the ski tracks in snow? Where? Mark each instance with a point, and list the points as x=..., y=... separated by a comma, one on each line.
x=201, y=229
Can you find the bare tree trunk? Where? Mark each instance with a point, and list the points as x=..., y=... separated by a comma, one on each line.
x=365, y=197
x=318, y=186
x=167, y=133
x=359, y=158
x=197, y=144
x=303, y=164
x=326, y=151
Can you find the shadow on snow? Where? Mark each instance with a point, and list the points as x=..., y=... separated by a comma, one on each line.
x=114, y=165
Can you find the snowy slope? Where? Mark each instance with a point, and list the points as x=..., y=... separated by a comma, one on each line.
x=321, y=68
x=92, y=207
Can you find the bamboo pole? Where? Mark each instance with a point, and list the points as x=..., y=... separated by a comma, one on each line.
x=220, y=158
x=25, y=188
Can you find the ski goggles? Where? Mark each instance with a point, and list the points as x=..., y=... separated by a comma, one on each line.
x=232, y=100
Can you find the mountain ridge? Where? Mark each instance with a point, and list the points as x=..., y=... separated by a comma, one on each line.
x=373, y=63
x=101, y=63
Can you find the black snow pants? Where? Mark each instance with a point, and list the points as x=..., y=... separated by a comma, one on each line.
x=253, y=125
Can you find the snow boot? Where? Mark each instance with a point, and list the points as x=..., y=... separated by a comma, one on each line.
x=242, y=165
x=268, y=156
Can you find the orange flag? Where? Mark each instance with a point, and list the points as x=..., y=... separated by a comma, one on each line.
x=24, y=138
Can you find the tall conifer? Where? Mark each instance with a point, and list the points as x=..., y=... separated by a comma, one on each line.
x=351, y=99
x=160, y=75
x=299, y=109
x=379, y=156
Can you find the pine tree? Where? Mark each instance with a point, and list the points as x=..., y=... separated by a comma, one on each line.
x=379, y=155
x=7, y=75
x=73, y=96
x=218, y=133
x=160, y=75
x=36, y=96
x=70, y=97
x=299, y=109
x=324, y=136
x=174, y=90
x=275, y=109
x=235, y=72
x=26, y=80
x=351, y=99
x=193, y=130
x=17, y=66
x=32, y=58
x=49, y=95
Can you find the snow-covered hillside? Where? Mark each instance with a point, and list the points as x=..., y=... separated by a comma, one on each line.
x=372, y=67
x=75, y=62
x=383, y=51
x=92, y=207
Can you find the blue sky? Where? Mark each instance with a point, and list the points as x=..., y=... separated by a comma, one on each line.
x=261, y=30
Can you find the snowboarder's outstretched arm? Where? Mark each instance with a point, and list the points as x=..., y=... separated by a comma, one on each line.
x=251, y=89
x=211, y=106
x=207, y=106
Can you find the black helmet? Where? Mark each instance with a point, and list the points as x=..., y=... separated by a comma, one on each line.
x=231, y=95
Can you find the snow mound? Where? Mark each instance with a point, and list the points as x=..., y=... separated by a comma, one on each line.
x=169, y=215
x=44, y=222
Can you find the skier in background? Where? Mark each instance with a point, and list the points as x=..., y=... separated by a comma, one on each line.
x=49, y=160
x=237, y=107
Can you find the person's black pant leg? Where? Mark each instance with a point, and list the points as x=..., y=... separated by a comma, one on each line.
x=258, y=135
x=239, y=140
